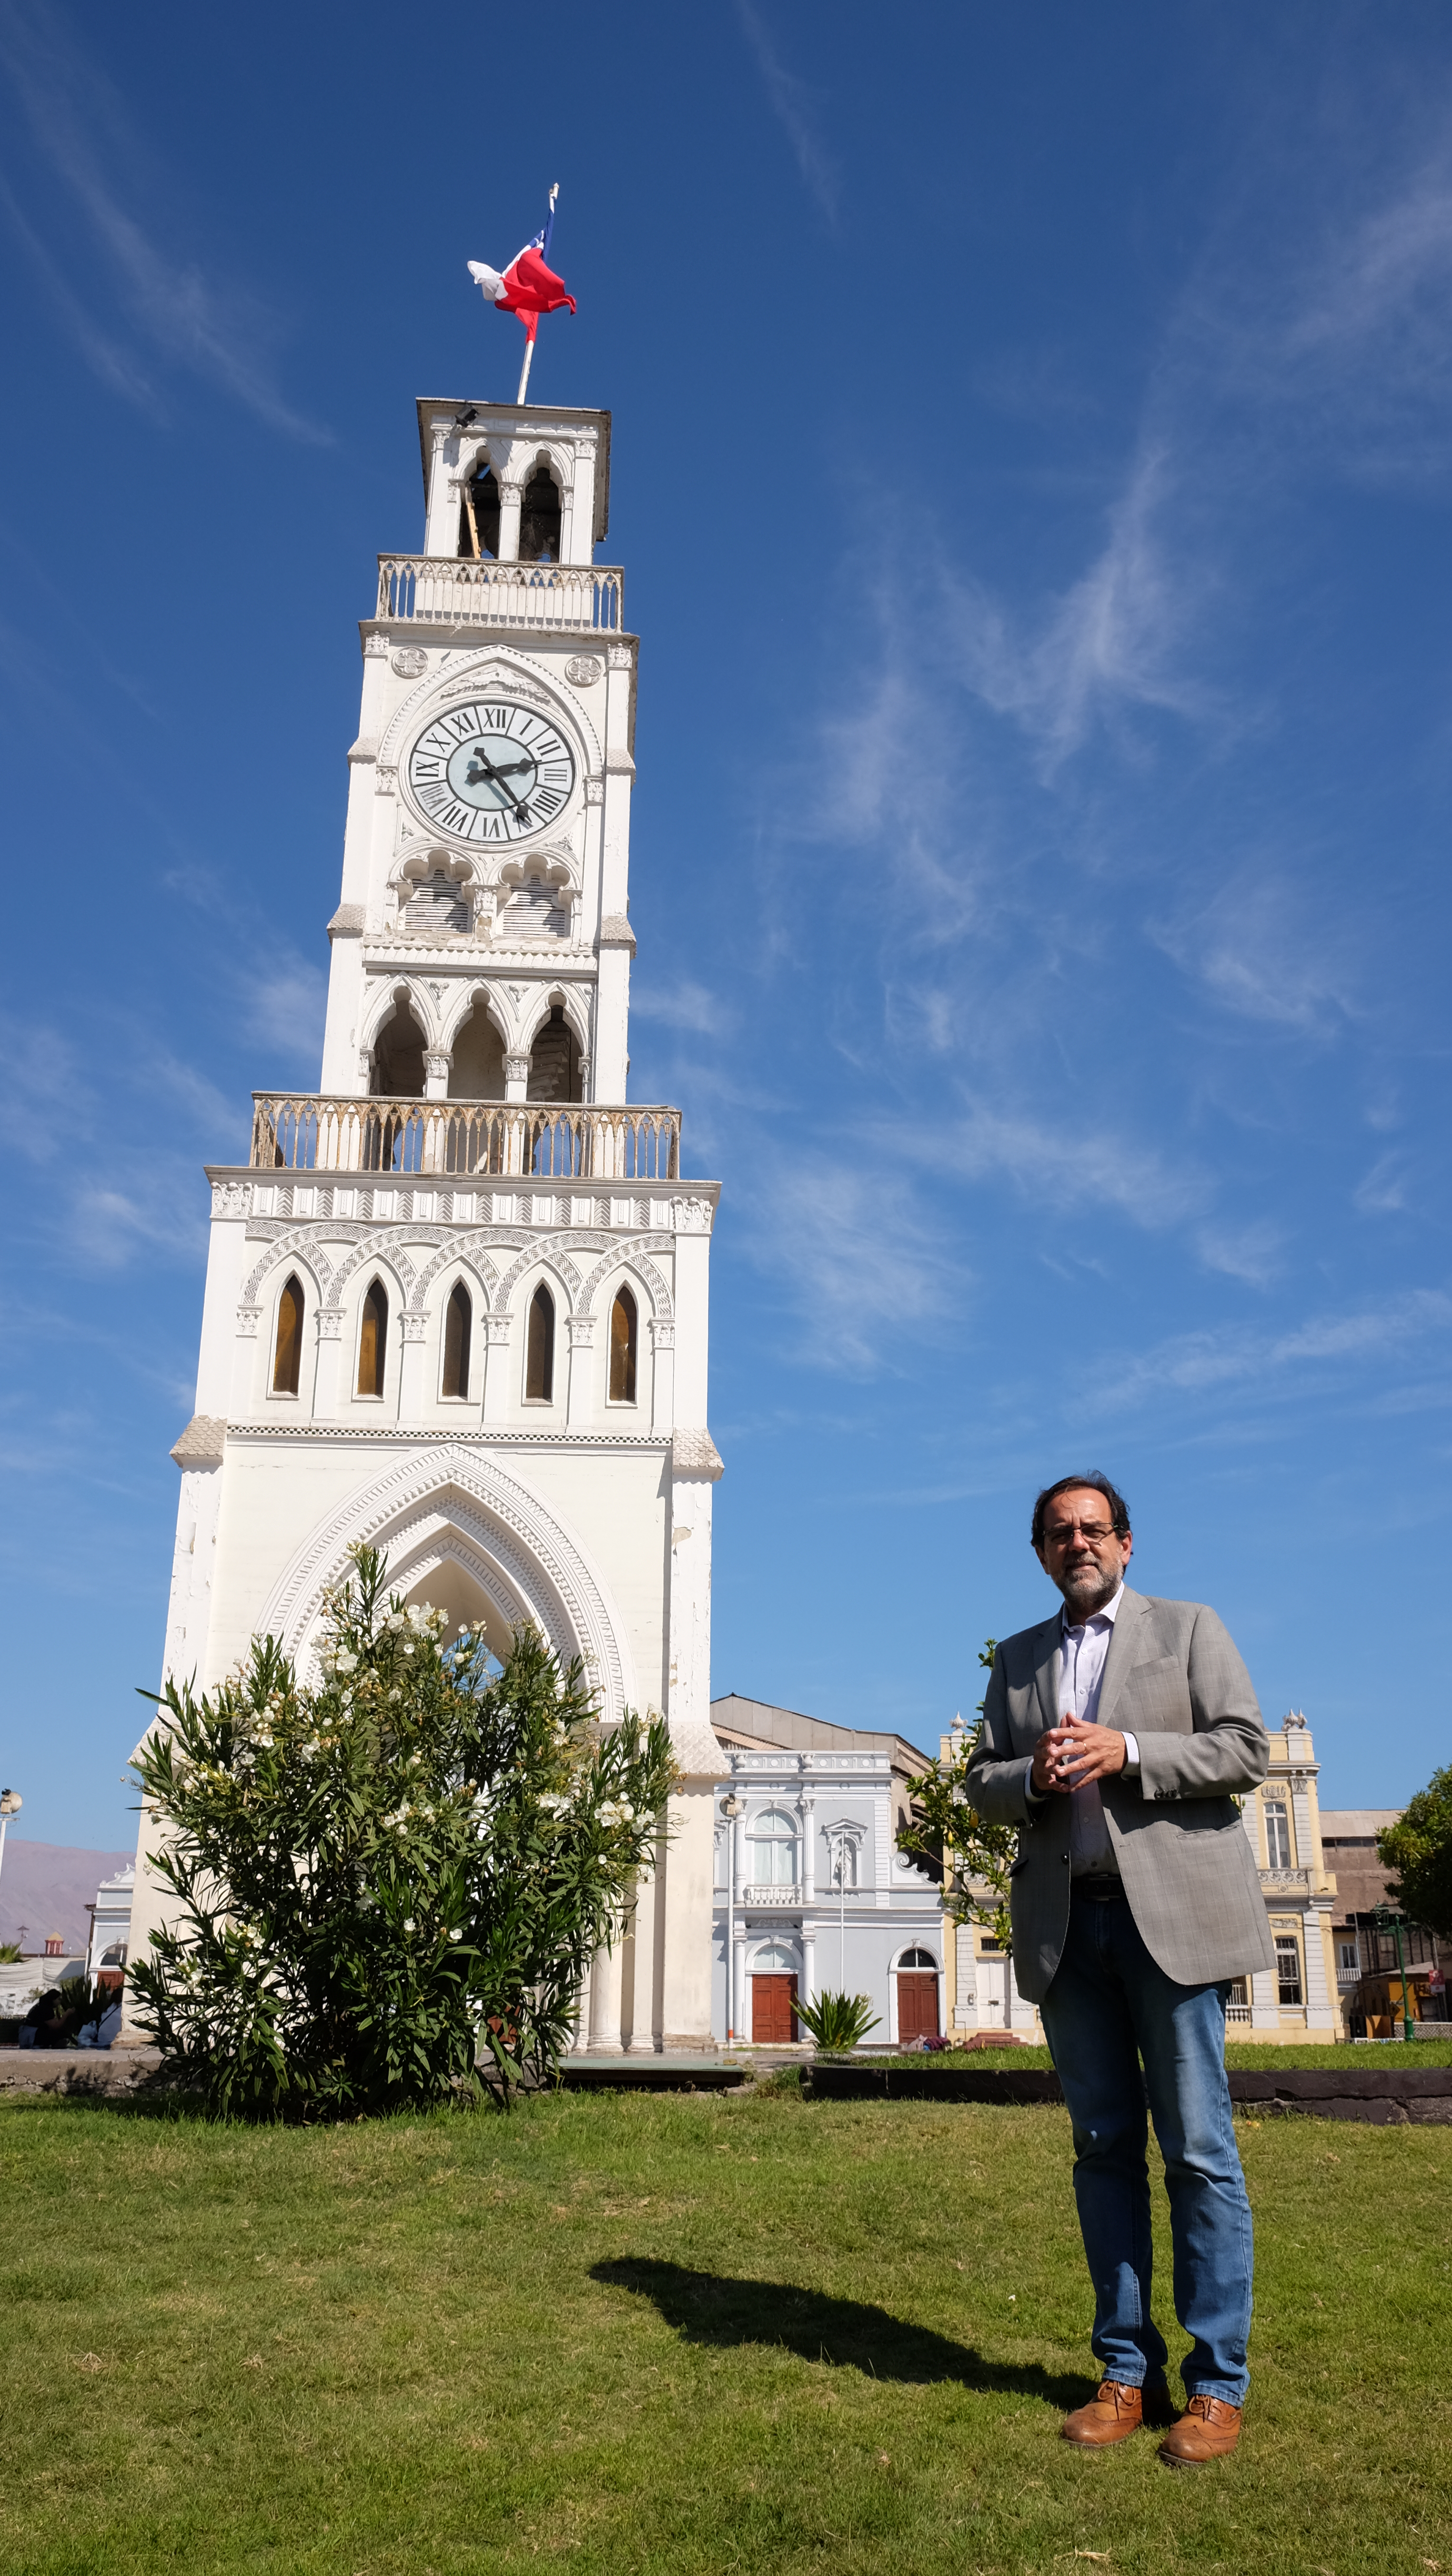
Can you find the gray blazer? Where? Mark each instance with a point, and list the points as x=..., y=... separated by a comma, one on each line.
x=1173, y=1679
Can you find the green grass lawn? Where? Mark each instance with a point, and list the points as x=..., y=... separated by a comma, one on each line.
x=685, y=2333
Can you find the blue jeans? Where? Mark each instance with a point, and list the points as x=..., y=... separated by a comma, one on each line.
x=1108, y=2006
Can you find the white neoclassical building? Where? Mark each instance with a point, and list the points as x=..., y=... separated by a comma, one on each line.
x=456, y=1301
x=812, y=1895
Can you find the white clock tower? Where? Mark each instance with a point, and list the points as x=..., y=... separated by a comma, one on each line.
x=456, y=1302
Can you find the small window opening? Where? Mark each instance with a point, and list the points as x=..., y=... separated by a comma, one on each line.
x=288, y=1357
x=917, y=1959
x=622, y=1349
x=539, y=518
x=398, y=1056
x=458, y=1328
x=554, y=1063
x=539, y=1362
x=477, y=1069
x=1277, y=1834
x=373, y=1340
x=479, y=516
x=1288, y=1967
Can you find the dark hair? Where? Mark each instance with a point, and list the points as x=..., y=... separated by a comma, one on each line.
x=1096, y=1484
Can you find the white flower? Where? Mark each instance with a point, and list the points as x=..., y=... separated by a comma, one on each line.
x=456, y=1936
x=345, y=1660
x=408, y=1923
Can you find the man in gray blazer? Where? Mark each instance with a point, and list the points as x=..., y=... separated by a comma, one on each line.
x=1117, y=1736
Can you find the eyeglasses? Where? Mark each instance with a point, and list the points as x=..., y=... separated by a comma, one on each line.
x=1063, y=1531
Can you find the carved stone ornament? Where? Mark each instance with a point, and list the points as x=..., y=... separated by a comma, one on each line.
x=662, y=1333
x=692, y=1216
x=496, y=1328
x=582, y=1331
x=248, y=1318
x=594, y=791
x=516, y=1068
x=584, y=670
x=384, y=778
x=415, y=1327
x=330, y=1323
x=621, y=656
x=436, y=1066
x=231, y=1198
x=375, y=646
x=410, y=661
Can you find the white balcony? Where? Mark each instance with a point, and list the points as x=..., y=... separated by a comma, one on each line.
x=307, y=1132
x=442, y=590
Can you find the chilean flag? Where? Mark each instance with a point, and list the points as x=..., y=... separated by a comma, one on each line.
x=527, y=287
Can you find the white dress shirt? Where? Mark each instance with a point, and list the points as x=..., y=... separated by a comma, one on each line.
x=1081, y=1677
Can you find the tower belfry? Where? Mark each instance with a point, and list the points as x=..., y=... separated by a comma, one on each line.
x=456, y=1301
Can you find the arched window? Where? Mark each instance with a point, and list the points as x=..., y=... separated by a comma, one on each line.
x=539, y=1357
x=622, y=1349
x=477, y=1070
x=554, y=1062
x=479, y=517
x=398, y=1056
x=458, y=1328
x=773, y=1838
x=373, y=1340
x=539, y=518
x=917, y=1959
x=288, y=1356
x=775, y=1960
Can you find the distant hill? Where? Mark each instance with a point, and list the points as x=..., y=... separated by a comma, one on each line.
x=46, y=1887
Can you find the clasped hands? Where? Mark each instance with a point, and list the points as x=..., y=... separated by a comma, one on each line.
x=1071, y=1754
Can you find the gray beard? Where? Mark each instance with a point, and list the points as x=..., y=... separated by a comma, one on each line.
x=1082, y=1606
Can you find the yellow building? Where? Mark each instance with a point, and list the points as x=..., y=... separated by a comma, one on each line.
x=1294, y=2000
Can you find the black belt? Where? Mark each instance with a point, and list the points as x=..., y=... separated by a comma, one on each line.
x=1100, y=1886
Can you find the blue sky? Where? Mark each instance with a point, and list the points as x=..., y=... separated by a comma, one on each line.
x=1031, y=468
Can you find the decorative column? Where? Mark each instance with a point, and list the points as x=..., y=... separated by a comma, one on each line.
x=1265, y=2002
x=497, y=1362
x=809, y=1963
x=516, y=1076
x=1320, y=2010
x=509, y=497
x=411, y=1365
x=580, y=1405
x=662, y=1373
x=605, y=1983
x=645, y=2002
x=437, y=1067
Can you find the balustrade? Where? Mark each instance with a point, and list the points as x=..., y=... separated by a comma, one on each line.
x=303, y=1132
x=444, y=590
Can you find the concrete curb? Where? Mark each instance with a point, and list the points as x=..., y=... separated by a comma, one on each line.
x=1383, y=2096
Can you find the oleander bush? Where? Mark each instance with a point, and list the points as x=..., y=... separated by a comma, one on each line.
x=389, y=1883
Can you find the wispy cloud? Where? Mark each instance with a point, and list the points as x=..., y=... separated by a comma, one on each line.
x=1264, y=950
x=1205, y=1362
x=185, y=318
x=1068, y=1164
x=284, y=1003
x=860, y=1260
x=792, y=105
x=682, y=1005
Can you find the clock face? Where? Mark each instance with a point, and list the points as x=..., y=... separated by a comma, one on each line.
x=490, y=771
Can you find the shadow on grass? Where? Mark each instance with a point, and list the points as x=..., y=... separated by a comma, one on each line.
x=710, y=2308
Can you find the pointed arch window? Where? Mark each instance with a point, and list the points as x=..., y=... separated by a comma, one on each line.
x=458, y=1331
x=373, y=1340
x=287, y=1357
x=539, y=1357
x=623, y=1328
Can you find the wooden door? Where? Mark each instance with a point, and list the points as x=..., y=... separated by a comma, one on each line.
x=917, y=2003
x=773, y=2021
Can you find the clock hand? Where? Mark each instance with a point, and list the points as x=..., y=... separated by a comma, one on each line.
x=485, y=768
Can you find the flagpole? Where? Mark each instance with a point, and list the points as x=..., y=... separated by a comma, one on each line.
x=524, y=371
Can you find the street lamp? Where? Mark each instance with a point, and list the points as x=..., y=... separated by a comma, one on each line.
x=1387, y=1921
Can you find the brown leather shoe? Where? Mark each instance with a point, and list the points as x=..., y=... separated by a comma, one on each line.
x=1206, y=2431
x=1114, y=2412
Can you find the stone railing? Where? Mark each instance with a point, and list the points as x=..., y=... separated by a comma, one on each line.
x=1238, y=2012
x=1288, y=1882
x=301, y=1132
x=442, y=590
